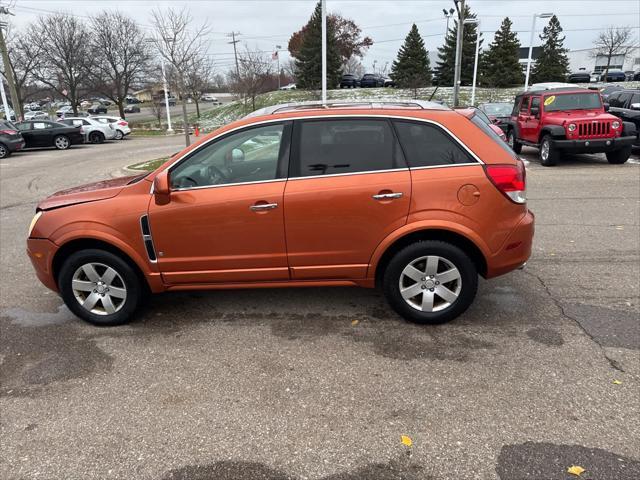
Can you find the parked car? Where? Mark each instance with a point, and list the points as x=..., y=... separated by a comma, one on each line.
x=498, y=112
x=211, y=98
x=568, y=120
x=11, y=115
x=210, y=202
x=349, y=81
x=290, y=86
x=636, y=75
x=613, y=75
x=607, y=90
x=579, y=77
x=472, y=113
x=120, y=125
x=43, y=133
x=10, y=139
x=85, y=103
x=370, y=80
x=94, y=131
x=131, y=100
x=625, y=104
x=36, y=115
x=64, y=110
x=388, y=82
x=132, y=109
x=628, y=75
x=97, y=108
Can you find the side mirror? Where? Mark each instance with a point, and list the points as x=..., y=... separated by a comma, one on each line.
x=635, y=106
x=161, y=183
x=606, y=107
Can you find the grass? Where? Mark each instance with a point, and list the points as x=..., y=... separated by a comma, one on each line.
x=149, y=165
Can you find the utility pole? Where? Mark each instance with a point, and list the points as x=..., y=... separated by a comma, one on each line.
x=278, y=48
x=8, y=71
x=458, y=64
x=235, y=51
x=324, y=51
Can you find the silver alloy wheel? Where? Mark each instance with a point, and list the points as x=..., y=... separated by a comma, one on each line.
x=62, y=143
x=510, y=140
x=119, y=135
x=3, y=151
x=99, y=288
x=430, y=283
x=544, y=150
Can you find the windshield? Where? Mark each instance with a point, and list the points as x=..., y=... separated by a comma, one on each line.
x=497, y=109
x=572, y=101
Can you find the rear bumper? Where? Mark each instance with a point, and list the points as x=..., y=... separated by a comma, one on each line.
x=516, y=250
x=41, y=252
x=598, y=145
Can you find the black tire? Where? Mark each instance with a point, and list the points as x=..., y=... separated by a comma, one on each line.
x=61, y=142
x=4, y=151
x=618, y=157
x=134, y=288
x=450, y=253
x=549, y=159
x=513, y=143
x=96, y=137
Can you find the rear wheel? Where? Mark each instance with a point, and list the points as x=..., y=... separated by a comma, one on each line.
x=96, y=137
x=4, y=151
x=100, y=287
x=513, y=143
x=618, y=157
x=61, y=142
x=119, y=135
x=430, y=282
x=548, y=153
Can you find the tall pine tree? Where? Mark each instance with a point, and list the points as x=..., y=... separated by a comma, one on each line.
x=500, y=65
x=309, y=61
x=411, y=69
x=447, y=53
x=552, y=65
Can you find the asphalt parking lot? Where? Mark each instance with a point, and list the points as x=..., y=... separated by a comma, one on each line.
x=542, y=373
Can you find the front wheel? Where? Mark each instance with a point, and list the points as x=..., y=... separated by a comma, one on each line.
x=548, y=153
x=100, y=287
x=430, y=282
x=618, y=157
x=61, y=142
x=4, y=151
x=513, y=143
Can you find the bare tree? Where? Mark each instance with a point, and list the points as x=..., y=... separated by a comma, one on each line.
x=612, y=42
x=198, y=78
x=121, y=55
x=255, y=76
x=67, y=57
x=353, y=66
x=25, y=58
x=179, y=42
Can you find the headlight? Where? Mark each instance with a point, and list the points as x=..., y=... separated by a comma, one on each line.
x=34, y=221
x=572, y=127
x=615, y=125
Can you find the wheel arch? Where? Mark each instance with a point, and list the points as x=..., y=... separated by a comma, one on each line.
x=556, y=131
x=455, y=238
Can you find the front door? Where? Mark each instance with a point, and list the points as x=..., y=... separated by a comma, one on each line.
x=532, y=121
x=348, y=189
x=223, y=221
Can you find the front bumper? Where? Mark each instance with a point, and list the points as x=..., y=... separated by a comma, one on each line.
x=598, y=145
x=41, y=252
x=16, y=145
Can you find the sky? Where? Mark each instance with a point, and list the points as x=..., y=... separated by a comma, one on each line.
x=264, y=24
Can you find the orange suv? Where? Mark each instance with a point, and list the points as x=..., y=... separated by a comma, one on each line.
x=408, y=196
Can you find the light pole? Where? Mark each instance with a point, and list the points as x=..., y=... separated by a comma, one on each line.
x=324, y=51
x=278, y=47
x=165, y=88
x=448, y=15
x=533, y=32
x=460, y=6
x=473, y=21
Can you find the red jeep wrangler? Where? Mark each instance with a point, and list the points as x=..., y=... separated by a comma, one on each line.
x=570, y=120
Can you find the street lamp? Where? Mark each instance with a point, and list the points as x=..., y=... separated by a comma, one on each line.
x=533, y=31
x=448, y=15
x=473, y=21
x=278, y=47
x=165, y=88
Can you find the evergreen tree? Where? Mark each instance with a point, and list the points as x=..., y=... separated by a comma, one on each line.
x=552, y=64
x=411, y=69
x=447, y=53
x=500, y=65
x=309, y=61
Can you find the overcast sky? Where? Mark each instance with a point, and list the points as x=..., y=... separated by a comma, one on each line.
x=263, y=24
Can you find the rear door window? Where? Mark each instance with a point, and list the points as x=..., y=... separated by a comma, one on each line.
x=427, y=145
x=524, y=106
x=337, y=146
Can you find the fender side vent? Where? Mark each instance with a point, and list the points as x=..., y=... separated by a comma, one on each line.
x=147, y=239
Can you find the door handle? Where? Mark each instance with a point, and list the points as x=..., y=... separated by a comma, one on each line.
x=263, y=206
x=388, y=196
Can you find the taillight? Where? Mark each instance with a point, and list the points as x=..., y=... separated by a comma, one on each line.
x=123, y=123
x=9, y=132
x=510, y=180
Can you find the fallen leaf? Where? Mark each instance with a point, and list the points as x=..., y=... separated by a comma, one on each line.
x=617, y=382
x=575, y=470
x=406, y=440
x=354, y=322
x=619, y=227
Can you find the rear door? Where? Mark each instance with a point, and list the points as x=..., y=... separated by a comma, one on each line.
x=41, y=134
x=348, y=189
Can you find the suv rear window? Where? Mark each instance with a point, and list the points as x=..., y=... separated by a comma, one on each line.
x=329, y=147
x=426, y=145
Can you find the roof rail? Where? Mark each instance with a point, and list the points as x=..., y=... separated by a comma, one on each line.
x=346, y=104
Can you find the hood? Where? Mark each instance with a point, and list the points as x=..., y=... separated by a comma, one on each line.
x=86, y=193
x=577, y=115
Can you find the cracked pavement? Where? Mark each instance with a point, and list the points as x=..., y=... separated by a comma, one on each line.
x=283, y=384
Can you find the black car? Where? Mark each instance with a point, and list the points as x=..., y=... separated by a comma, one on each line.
x=608, y=90
x=41, y=133
x=579, y=77
x=613, y=76
x=10, y=139
x=349, y=81
x=131, y=109
x=626, y=105
x=370, y=80
x=97, y=108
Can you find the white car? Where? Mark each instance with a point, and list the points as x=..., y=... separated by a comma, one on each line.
x=120, y=125
x=36, y=115
x=209, y=97
x=93, y=130
x=291, y=86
